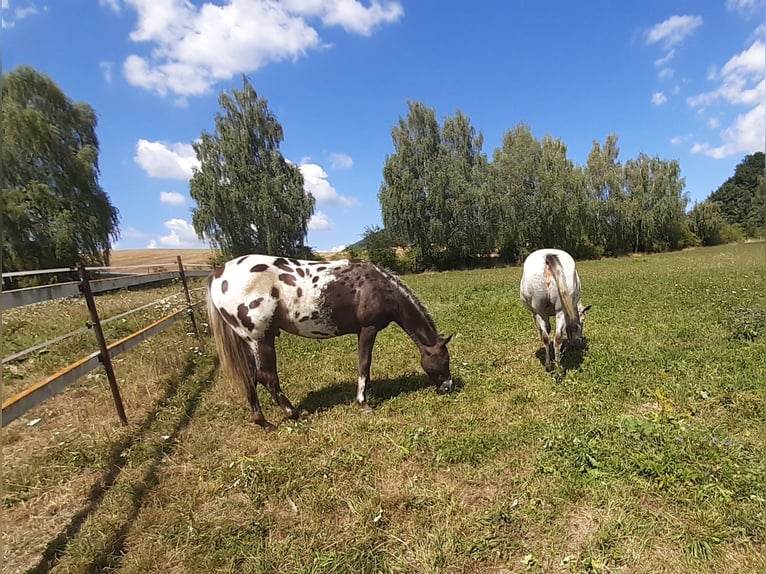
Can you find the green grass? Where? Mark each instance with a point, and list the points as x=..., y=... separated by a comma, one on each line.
x=642, y=454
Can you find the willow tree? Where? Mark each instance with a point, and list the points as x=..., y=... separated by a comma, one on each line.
x=412, y=194
x=515, y=175
x=432, y=196
x=655, y=204
x=250, y=199
x=55, y=212
x=604, y=177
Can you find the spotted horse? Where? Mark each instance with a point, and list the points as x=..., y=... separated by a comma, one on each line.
x=252, y=298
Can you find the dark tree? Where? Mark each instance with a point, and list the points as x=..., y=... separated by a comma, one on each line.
x=55, y=212
x=741, y=197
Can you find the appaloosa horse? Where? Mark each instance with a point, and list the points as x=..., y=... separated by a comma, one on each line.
x=550, y=286
x=252, y=298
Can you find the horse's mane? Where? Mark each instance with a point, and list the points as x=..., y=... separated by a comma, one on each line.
x=407, y=292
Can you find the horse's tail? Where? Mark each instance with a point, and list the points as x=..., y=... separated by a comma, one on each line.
x=234, y=354
x=553, y=262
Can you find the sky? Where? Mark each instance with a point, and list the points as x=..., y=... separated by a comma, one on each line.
x=681, y=80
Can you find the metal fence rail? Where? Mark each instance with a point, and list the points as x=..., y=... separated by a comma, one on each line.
x=29, y=295
x=20, y=403
x=29, y=398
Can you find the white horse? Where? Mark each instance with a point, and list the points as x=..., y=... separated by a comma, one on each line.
x=550, y=286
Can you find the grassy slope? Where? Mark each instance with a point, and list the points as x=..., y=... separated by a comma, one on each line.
x=644, y=455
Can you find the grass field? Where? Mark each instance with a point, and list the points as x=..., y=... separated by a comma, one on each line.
x=643, y=454
x=159, y=256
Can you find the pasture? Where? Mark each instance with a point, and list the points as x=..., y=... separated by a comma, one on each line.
x=642, y=454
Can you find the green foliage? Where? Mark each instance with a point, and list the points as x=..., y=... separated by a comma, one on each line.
x=55, y=212
x=742, y=196
x=732, y=233
x=707, y=223
x=381, y=248
x=443, y=198
x=249, y=198
x=431, y=197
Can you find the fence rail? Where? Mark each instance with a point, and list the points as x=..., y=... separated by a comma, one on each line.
x=30, y=295
x=19, y=404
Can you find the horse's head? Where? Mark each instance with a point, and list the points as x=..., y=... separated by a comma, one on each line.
x=435, y=362
x=574, y=330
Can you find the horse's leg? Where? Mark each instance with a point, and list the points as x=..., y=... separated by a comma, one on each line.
x=267, y=374
x=366, y=340
x=544, y=326
x=255, y=406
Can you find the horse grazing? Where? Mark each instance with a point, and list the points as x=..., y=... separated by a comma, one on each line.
x=252, y=298
x=550, y=286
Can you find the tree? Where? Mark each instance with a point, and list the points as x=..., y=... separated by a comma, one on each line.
x=515, y=169
x=604, y=176
x=741, y=197
x=56, y=213
x=707, y=222
x=432, y=192
x=412, y=194
x=655, y=204
x=249, y=198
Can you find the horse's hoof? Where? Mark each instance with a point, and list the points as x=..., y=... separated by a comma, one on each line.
x=548, y=368
x=268, y=427
x=293, y=415
x=366, y=409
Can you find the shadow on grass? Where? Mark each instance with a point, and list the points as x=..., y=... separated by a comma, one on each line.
x=378, y=391
x=572, y=357
x=110, y=554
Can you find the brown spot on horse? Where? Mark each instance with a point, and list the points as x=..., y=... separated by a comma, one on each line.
x=287, y=279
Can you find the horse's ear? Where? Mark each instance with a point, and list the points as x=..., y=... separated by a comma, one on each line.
x=585, y=309
x=447, y=340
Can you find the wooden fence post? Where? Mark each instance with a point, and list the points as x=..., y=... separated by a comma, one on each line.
x=188, y=295
x=104, y=357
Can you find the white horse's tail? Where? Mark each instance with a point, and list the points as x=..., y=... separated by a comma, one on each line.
x=565, y=297
x=234, y=354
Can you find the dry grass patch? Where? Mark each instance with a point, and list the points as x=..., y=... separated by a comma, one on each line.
x=154, y=257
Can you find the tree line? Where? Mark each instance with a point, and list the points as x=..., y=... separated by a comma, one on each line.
x=444, y=202
x=451, y=206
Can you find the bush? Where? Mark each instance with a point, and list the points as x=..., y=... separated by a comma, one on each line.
x=732, y=233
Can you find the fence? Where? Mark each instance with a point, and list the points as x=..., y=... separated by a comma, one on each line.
x=25, y=400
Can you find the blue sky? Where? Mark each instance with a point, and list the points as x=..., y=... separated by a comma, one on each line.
x=682, y=80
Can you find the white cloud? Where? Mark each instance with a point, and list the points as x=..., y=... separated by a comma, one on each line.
x=106, y=69
x=320, y=222
x=673, y=31
x=337, y=249
x=172, y=198
x=19, y=14
x=666, y=73
x=341, y=161
x=740, y=83
x=191, y=47
x=132, y=233
x=658, y=98
x=181, y=236
x=315, y=182
x=166, y=162
x=713, y=123
x=660, y=62
x=744, y=6
x=113, y=4
x=745, y=135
